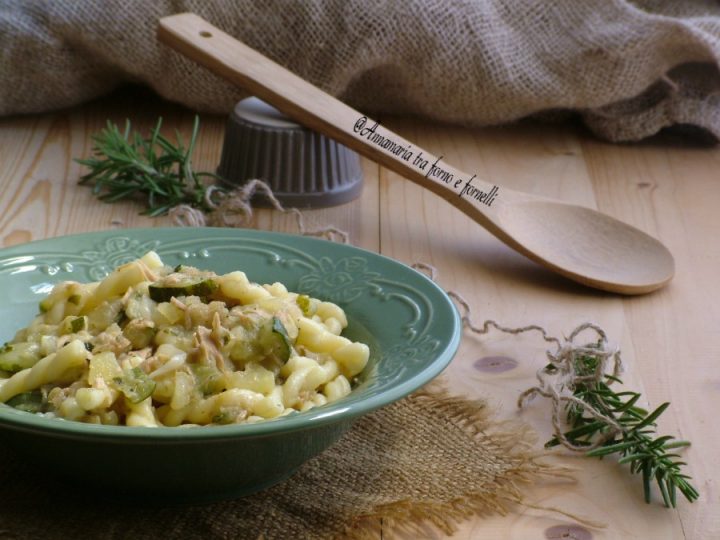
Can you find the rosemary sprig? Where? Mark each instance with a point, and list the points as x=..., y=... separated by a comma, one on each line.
x=636, y=444
x=125, y=165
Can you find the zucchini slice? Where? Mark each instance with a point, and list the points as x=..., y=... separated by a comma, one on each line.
x=281, y=346
x=32, y=402
x=15, y=357
x=209, y=379
x=135, y=385
x=203, y=287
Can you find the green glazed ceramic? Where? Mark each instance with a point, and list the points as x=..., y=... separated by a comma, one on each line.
x=412, y=328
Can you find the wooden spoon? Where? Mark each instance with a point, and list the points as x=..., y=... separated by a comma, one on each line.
x=579, y=243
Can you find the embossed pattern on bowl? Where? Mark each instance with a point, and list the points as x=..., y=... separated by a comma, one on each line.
x=410, y=324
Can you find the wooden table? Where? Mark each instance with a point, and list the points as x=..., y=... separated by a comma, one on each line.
x=670, y=339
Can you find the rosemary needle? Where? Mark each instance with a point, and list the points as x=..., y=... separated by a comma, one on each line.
x=124, y=165
x=636, y=445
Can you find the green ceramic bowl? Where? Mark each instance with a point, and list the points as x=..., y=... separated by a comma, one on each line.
x=410, y=324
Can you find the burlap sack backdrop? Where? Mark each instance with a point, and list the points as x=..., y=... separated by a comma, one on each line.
x=628, y=68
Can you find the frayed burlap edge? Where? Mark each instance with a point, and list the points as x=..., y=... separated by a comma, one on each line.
x=510, y=437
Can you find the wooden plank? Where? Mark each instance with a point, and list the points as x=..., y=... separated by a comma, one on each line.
x=672, y=190
x=669, y=339
x=499, y=284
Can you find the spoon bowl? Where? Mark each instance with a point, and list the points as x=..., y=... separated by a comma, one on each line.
x=588, y=246
x=579, y=243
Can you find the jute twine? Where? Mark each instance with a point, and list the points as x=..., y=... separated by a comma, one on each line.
x=557, y=380
x=234, y=209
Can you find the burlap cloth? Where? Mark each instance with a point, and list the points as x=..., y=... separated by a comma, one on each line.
x=427, y=461
x=627, y=69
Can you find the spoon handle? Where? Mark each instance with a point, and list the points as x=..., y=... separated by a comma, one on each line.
x=577, y=242
x=223, y=54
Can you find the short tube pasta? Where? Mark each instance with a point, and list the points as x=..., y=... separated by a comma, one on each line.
x=152, y=346
x=46, y=370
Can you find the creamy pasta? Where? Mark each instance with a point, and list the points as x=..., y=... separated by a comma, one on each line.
x=151, y=345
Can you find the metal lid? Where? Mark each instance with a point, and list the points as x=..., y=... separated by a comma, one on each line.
x=303, y=168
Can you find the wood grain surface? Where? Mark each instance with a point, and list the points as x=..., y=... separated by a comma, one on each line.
x=669, y=339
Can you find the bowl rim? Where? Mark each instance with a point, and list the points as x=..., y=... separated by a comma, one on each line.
x=336, y=412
